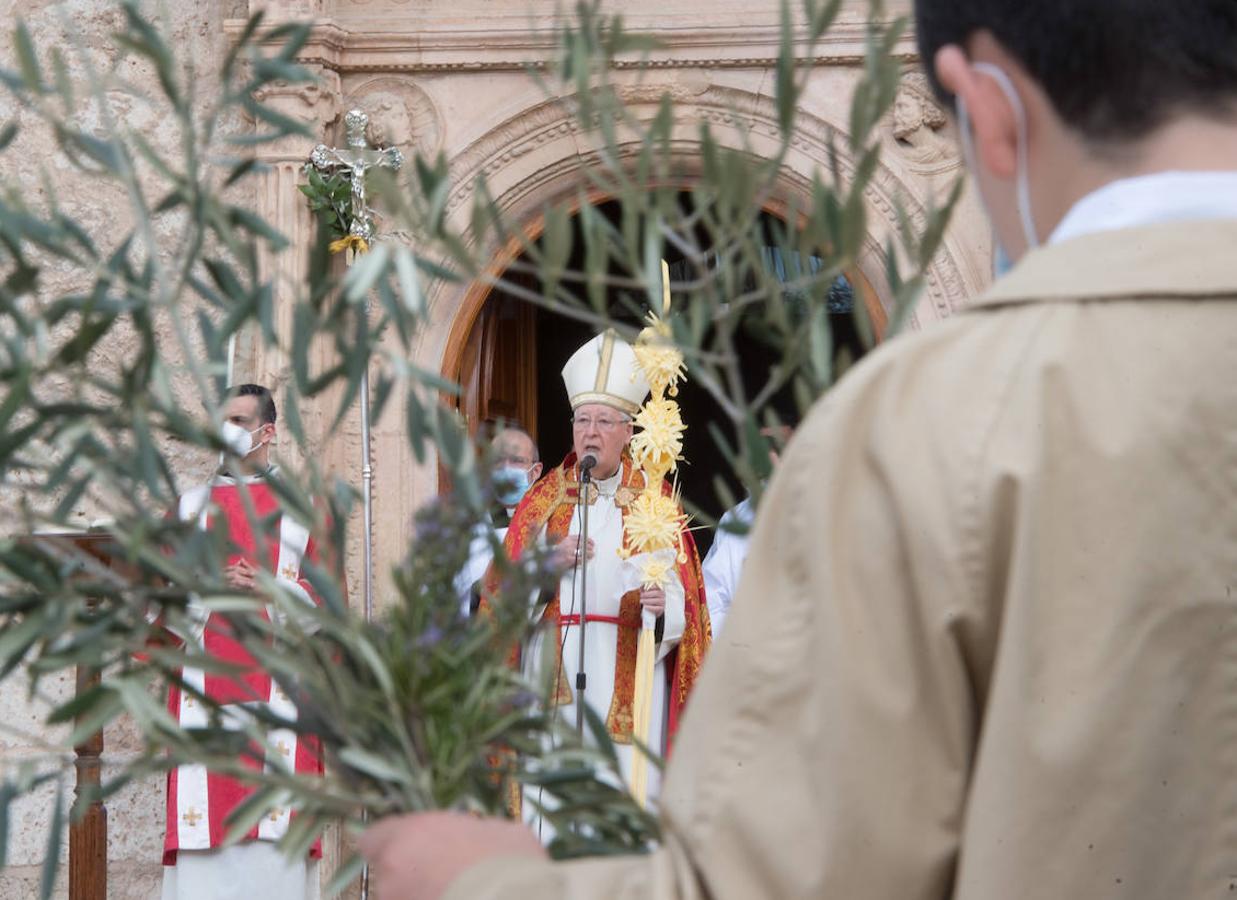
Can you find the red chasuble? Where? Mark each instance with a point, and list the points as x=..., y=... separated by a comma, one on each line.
x=198, y=801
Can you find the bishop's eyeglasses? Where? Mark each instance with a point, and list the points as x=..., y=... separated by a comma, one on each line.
x=584, y=423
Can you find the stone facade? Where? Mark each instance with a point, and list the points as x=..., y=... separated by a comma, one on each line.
x=197, y=30
x=450, y=77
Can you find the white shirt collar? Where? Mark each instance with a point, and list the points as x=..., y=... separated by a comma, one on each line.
x=227, y=477
x=607, y=486
x=1149, y=199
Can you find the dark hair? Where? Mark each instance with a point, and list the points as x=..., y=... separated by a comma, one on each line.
x=1113, y=69
x=266, y=403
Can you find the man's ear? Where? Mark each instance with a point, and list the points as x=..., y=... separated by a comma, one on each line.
x=535, y=472
x=994, y=123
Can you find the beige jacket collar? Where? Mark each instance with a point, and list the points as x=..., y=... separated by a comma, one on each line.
x=1179, y=260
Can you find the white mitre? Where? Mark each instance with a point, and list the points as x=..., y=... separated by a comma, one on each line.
x=605, y=371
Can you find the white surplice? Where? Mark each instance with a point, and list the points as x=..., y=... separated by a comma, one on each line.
x=480, y=554
x=255, y=869
x=723, y=564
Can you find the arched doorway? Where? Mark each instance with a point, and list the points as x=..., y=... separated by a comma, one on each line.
x=508, y=359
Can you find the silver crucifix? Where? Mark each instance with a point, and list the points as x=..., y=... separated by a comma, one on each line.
x=356, y=160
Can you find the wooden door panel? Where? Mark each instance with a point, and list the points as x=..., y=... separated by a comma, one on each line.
x=498, y=366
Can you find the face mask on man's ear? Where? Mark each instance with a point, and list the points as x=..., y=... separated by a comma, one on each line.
x=239, y=440
x=1002, y=261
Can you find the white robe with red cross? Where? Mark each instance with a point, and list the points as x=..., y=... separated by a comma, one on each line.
x=199, y=801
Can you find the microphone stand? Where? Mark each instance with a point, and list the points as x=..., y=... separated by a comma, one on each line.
x=581, y=677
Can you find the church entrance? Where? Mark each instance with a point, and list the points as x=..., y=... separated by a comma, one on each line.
x=510, y=364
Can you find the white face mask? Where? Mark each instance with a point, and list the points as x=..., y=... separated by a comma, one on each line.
x=1022, y=178
x=239, y=440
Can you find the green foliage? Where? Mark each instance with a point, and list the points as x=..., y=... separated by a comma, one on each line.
x=419, y=709
x=330, y=199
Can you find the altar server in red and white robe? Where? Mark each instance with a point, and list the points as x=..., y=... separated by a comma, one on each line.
x=196, y=866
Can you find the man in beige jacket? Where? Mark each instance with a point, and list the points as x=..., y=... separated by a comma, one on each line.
x=995, y=653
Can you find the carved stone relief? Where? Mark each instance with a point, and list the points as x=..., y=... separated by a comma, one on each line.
x=310, y=101
x=917, y=123
x=400, y=115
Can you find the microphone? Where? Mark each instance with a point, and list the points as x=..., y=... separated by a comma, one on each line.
x=586, y=466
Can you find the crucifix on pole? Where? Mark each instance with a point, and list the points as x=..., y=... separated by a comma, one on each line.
x=355, y=161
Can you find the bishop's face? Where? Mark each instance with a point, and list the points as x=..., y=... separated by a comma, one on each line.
x=602, y=431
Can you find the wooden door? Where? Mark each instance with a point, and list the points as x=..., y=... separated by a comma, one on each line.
x=498, y=368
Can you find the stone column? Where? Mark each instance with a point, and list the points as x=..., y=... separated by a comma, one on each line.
x=278, y=201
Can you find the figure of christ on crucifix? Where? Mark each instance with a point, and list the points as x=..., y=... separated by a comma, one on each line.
x=355, y=161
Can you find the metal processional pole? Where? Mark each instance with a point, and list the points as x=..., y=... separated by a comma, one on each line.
x=581, y=675
x=355, y=161
x=367, y=498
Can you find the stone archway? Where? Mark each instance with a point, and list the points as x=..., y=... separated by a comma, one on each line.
x=478, y=292
x=534, y=158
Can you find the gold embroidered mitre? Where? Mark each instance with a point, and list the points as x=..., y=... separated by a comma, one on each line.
x=605, y=371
